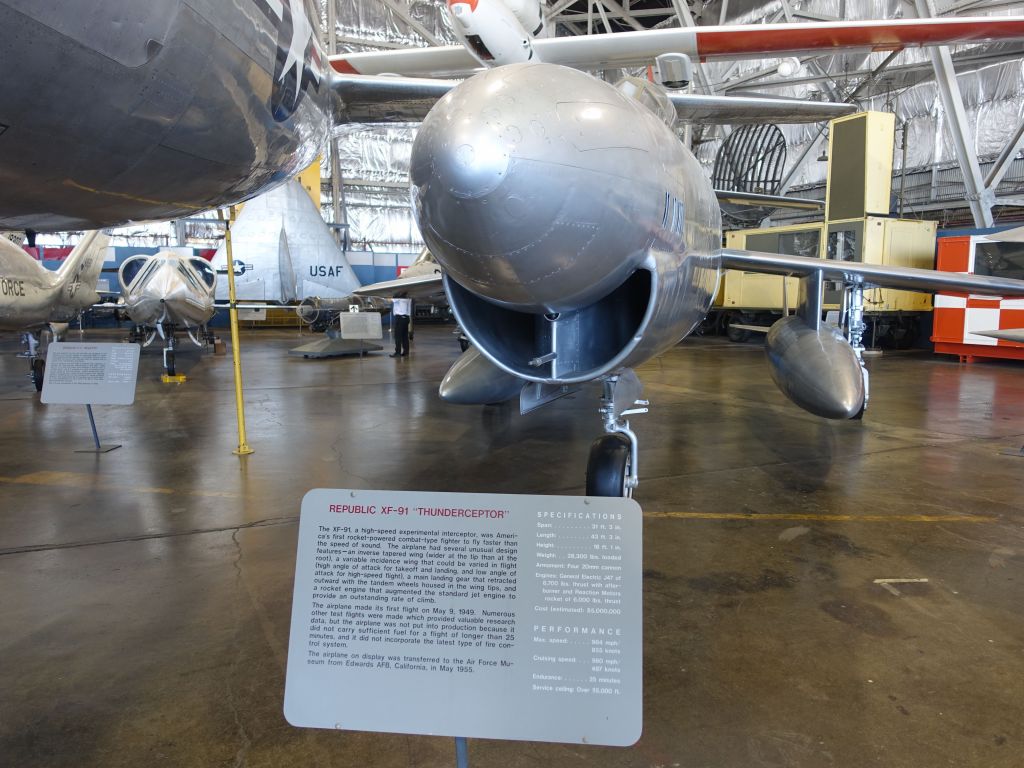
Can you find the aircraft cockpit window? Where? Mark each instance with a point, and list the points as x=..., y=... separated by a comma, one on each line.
x=189, y=275
x=205, y=271
x=479, y=48
x=651, y=96
x=999, y=260
x=131, y=269
x=150, y=266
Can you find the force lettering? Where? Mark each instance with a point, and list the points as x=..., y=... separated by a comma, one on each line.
x=12, y=287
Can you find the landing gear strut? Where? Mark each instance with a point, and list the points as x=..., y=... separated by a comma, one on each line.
x=855, y=328
x=166, y=331
x=35, y=351
x=612, y=467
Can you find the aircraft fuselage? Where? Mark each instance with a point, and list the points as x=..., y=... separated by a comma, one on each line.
x=578, y=234
x=133, y=111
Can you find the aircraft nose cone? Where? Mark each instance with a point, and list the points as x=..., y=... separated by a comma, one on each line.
x=464, y=147
x=507, y=194
x=469, y=163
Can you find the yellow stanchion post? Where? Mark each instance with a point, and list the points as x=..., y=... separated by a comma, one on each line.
x=243, y=446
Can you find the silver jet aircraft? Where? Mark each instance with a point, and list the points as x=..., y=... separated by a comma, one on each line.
x=215, y=102
x=287, y=251
x=166, y=293
x=579, y=236
x=33, y=298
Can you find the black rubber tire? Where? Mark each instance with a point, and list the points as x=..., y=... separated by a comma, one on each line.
x=38, y=372
x=736, y=335
x=606, y=468
x=170, y=363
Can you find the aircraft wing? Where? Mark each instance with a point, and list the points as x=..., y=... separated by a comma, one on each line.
x=1009, y=334
x=735, y=110
x=422, y=288
x=874, y=275
x=768, y=201
x=386, y=98
x=739, y=41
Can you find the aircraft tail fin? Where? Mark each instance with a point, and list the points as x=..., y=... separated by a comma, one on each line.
x=81, y=269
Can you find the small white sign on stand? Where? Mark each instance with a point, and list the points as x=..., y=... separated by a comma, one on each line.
x=479, y=615
x=360, y=325
x=88, y=374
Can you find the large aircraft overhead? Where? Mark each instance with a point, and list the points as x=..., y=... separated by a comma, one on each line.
x=578, y=235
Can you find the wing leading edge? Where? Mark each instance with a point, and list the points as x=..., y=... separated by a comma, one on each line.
x=876, y=275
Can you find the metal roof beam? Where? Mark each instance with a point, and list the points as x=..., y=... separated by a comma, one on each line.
x=1005, y=159
x=979, y=198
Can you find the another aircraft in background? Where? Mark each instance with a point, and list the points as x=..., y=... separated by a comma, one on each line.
x=578, y=235
x=166, y=293
x=288, y=251
x=33, y=298
x=217, y=102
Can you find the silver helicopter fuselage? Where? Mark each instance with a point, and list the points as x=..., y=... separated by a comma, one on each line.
x=578, y=234
x=124, y=111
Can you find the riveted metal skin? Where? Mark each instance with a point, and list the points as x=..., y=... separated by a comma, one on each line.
x=569, y=219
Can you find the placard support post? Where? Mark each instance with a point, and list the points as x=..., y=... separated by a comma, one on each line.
x=95, y=436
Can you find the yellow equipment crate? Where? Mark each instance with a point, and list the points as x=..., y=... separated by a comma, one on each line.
x=872, y=240
x=756, y=291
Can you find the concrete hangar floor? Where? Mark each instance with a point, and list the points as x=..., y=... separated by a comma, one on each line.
x=146, y=593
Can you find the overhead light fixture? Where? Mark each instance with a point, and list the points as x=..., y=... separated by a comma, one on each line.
x=789, y=67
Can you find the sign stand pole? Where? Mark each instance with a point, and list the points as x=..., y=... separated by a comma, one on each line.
x=461, y=752
x=95, y=437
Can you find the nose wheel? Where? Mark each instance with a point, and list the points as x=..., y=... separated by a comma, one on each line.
x=612, y=466
x=608, y=468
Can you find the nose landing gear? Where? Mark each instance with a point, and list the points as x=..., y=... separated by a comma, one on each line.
x=612, y=466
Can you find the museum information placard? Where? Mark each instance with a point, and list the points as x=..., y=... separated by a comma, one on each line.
x=90, y=374
x=477, y=615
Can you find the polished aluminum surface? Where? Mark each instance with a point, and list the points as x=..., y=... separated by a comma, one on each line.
x=32, y=296
x=1008, y=334
x=737, y=110
x=168, y=288
x=288, y=251
x=906, y=278
x=127, y=111
x=815, y=368
x=475, y=380
x=575, y=226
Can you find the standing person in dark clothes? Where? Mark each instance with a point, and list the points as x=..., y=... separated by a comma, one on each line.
x=401, y=313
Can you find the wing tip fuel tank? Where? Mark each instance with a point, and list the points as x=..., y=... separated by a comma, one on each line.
x=816, y=368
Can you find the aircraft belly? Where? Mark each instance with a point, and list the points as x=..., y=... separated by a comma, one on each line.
x=187, y=126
